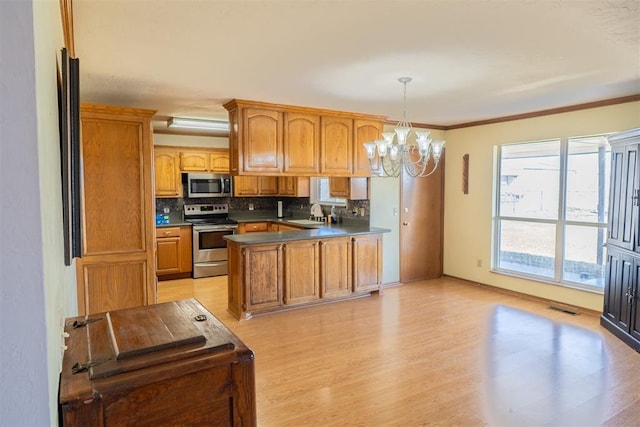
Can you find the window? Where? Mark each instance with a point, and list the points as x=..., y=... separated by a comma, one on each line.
x=551, y=211
x=320, y=193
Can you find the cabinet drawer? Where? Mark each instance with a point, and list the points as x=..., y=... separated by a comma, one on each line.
x=256, y=226
x=167, y=232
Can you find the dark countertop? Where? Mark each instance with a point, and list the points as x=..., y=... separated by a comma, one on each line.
x=175, y=220
x=320, y=231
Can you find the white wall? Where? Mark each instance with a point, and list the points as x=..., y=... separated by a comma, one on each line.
x=468, y=217
x=59, y=281
x=36, y=290
x=190, y=140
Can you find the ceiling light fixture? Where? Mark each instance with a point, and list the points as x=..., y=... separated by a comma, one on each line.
x=183, y=123
x=397, y=153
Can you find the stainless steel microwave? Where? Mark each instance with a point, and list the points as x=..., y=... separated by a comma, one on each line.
x=209, y=185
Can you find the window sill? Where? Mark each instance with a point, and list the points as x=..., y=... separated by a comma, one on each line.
x=540, y=279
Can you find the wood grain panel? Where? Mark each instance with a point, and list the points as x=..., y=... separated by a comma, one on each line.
x=112, y=170
x=421, y=226
x=168, y=181
x=365, y=131
x=117, y=209
x=419, y=356
x=335, y=267
x=301, y=272
x=262, y=147
x=263, y=276
x=176, y=401
x=114, y=286
x=367, y=262
x=336, y=145
x=301, y=143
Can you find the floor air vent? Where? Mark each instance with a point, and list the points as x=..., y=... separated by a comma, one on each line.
x=567, y=310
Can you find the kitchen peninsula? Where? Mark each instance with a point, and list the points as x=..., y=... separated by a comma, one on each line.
x=305, y=265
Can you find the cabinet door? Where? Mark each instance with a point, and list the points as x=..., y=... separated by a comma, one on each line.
x=620, y=281
x=339, y=187
x=364, y=131
x=262, y=140
x=295, y=186
x=335, y=267
x=117, y=267
x=168, y=255
x=367, y=262
x=623, y=209
x=301, y=141
x=336, y=145
x=301, y=267
x=194, y=161
x=168, y=181
x=268, y=186
x=633, y=299
x=262, y=277
x=245, y=185
x=219, y=162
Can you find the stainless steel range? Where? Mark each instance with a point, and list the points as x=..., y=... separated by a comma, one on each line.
x=210, y=224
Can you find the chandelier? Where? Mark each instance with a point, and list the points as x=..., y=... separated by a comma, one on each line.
x=396, y=153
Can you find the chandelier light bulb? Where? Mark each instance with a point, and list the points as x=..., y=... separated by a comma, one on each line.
x=403, y=155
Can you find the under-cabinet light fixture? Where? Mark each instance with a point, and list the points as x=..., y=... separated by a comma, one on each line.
x=179, y=122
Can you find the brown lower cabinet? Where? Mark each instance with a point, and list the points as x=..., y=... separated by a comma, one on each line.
x=274, y=276
x=174, y=252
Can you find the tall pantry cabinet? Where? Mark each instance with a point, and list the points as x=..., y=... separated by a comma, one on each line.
x=116, y=270
x=621, y=314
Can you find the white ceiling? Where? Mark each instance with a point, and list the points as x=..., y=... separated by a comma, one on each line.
x=470, y=59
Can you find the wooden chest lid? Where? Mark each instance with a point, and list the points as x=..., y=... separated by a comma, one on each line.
x=131, y=339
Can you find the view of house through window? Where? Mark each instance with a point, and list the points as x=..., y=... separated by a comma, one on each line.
x=551, y=210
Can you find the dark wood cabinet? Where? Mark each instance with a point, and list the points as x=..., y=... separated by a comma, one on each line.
x=621, y=314
x=164, y=364
x=623, y=196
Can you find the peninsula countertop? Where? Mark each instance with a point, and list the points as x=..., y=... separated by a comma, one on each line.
x=310, y=231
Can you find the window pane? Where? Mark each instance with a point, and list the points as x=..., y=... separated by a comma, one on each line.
x=529, y=180
x=527, y=247
x=324, y=197
x=588, y=179
x=584, y=255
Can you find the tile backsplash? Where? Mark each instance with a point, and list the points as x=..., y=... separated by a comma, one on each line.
x=292, y=206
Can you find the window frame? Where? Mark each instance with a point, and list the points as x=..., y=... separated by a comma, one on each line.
x=560, y=222
x=314, y=193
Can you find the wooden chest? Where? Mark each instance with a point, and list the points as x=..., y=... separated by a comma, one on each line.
x=165, y=364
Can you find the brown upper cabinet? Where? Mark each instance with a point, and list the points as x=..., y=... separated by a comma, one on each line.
x=167, y=172
x=273, y=139
x=364, y=131
x=336, y=146
x=294, y=186
x=301, y=143
x=204, y=160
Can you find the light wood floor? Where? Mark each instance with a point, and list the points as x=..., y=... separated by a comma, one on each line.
x=438, y=352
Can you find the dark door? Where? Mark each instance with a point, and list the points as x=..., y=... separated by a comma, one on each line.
x=634, y=324
x=622, y=221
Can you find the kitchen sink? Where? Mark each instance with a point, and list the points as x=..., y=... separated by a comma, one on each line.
x=305, y=222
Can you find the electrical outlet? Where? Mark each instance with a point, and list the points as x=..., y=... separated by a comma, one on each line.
x=250, y=206
x=479, y=262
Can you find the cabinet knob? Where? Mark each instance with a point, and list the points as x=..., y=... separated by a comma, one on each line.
x=166, y=233
x=405, y=223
